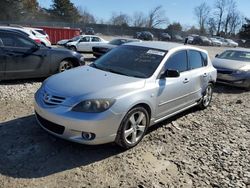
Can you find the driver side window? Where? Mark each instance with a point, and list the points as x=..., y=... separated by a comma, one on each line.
x=178, y=61
x=15, y=41
x=85, y=39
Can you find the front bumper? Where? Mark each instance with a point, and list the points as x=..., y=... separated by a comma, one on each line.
x=236, y=79
x=62, y=122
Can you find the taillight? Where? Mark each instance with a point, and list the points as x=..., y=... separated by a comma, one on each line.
x=37, y=41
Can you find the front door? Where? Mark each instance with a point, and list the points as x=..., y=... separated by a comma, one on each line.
x=174, y=93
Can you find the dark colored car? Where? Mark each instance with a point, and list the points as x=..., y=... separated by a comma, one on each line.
x=98, y=51
x=145, y=35
x=164, y=37
x=177, y=38
x=21, y=57
x=89, y=31
x=201, y=40
x=233, y=67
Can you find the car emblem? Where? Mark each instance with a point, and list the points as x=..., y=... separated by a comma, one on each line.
x=47, y=97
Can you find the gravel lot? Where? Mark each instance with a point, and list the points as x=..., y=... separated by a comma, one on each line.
x=208, y=148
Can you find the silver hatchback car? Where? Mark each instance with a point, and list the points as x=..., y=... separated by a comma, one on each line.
x=116, y=98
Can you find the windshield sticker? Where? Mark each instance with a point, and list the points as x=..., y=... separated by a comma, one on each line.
x=155, y=52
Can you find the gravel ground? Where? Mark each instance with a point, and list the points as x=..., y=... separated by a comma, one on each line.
x=208, y=148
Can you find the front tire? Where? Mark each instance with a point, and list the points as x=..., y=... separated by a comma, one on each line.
x=73, y=48
x=133, y=128
x=65, y=65
x=207, y=97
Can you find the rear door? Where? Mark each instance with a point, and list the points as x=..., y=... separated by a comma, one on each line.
x=23, y=59
x=174, y=93
x=199, y=73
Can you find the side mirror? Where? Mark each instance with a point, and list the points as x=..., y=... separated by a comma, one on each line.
x=170, y=74
x=216, y=55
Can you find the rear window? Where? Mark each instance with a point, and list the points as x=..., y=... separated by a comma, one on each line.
x=41, y=32
x=235, y=55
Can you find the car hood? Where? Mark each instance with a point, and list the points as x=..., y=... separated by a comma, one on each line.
x=90, y=83
x=229, y=64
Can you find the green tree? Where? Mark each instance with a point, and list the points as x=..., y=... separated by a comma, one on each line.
x=174, y=28
x=10, y=10
x=245, y=30
x=65, y=10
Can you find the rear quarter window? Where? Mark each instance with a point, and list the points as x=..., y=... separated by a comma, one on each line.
x=195, y=59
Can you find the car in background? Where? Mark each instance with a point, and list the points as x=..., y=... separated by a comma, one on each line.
x=164, y=37
x=231, y=43
x=233, y=67
x=22, y=58
x=216, y=42
x=89, y=31
x=177, y=38
x=189, y=39
x=41, y=34
x=85, y=43
x=20, y=29
x=145, y=35
x=119, y=96
x=98, y=51
x=65, y=41
x=201, y=40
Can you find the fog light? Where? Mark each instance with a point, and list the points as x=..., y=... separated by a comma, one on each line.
x=88, y=136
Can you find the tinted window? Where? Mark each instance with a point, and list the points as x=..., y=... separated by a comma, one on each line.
x=195, y=59
x=131, y=61
x=41, y=32
x=235, y=55
x=9, y=40
x=95, y=39
x=204, y=58
x=178, y=61
x=85, y=39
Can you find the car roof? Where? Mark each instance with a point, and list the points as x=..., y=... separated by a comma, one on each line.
x=14, y=31
x=166, y=46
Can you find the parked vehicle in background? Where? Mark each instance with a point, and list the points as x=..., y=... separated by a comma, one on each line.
x=22, y=58
x=65, y=41
x=20, y=29
x=231, y=43
x=164, y=37
x=89, y=31
x=216, y=42
x=189, y=39
x=177, y=38
x=85, y=43
x=116, y=98
x=145, y=35
x=41, y=34
x=201, y=40
x=104, y=48
x=233, y=67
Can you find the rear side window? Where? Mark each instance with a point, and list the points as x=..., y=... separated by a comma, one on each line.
x=178, y=61
x=15, y=41
x=204, y=58
x=41, y=32
x=95, y=39
x=195, y=59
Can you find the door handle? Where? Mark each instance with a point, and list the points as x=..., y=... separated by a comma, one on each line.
x=186, y=80
x=205, y=75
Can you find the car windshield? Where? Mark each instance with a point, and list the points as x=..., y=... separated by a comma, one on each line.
x=75, y=39
x=131, y=61
x=235, y=55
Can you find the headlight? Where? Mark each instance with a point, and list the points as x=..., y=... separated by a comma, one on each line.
x=243, y=69
x=94, y=105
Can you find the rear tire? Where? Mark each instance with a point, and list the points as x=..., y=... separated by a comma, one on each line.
x=65, y=65
x=133, y=128
x=207, y=97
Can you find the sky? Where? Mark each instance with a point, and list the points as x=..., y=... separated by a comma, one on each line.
x=175, y=10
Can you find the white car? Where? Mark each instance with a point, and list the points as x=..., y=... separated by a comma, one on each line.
x=41, y=34
x=24, y=31
x=85, y=43
x=231, y=43
x=216, y=42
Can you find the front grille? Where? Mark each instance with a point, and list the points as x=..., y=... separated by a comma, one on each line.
x=55, y=128
x=225, y=71
x=52, y=99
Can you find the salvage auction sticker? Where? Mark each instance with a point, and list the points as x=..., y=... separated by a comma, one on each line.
x=156, y=52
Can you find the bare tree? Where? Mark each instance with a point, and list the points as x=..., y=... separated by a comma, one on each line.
x=202, y=12
x=120, y=19
x=156, y=17
x=231, y=8
x=139, y=19
x=235, y=22
x=211, y=24
x=220, y=6
x=86, y=16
